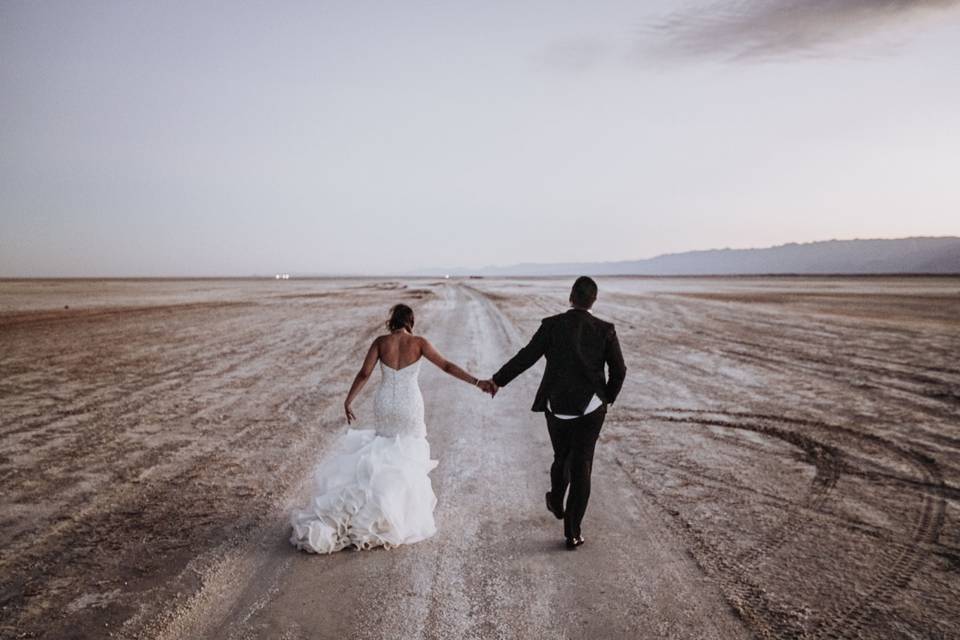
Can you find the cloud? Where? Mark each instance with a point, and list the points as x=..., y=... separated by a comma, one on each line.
x=770, y=28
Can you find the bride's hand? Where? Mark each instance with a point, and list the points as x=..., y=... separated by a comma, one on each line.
x=349, y=412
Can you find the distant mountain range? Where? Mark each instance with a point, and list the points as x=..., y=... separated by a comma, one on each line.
x=940, y=255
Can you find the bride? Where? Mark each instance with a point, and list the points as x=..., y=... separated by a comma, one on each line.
x=373, y=489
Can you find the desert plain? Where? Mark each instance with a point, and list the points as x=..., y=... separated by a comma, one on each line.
x=783, y=462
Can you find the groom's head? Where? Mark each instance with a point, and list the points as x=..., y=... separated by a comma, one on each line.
x=584, y=292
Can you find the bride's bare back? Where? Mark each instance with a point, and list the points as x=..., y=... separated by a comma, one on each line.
x=399, y=349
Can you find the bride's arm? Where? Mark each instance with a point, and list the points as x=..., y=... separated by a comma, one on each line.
x=361, y=379
x=430, y=353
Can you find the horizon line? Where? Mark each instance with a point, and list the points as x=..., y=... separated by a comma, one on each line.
x=462, y=272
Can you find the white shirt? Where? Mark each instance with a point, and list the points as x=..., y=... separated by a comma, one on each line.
x=592, y=406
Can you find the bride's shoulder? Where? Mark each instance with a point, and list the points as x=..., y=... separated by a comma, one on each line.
x=380, y=341
x=421, y=340
x=424, y=345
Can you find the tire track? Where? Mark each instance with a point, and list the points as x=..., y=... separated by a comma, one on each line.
x=903, y=560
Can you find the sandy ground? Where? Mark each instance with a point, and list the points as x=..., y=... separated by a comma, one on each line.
x=783, y=463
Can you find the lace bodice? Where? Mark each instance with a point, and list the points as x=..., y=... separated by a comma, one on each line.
x=398, y=403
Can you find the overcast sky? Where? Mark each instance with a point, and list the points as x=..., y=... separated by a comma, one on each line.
x=233, y=138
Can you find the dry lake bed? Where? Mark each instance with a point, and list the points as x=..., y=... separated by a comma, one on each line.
x=783, y=462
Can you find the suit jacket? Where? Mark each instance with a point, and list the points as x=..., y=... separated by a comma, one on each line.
x=577, y=346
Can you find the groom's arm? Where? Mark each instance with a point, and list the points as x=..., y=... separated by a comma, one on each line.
x=616, y=366
x=525, y=358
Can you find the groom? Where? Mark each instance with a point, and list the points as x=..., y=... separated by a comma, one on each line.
x=574, y=395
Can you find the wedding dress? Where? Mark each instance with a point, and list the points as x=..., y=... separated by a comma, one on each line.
x=373, y=489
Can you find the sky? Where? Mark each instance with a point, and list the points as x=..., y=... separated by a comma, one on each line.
x=142, y=138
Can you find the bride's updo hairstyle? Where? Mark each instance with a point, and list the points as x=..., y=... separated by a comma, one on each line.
x=401, y=317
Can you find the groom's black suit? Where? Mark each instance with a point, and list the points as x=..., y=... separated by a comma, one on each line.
x=577, y=346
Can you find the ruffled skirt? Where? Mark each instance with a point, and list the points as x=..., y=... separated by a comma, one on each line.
x=371, y=491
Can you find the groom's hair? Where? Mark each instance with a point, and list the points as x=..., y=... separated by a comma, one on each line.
x=584, y=292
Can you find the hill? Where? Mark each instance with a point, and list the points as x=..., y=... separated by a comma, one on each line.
x=920, y=255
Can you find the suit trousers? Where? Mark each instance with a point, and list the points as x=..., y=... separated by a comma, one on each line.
x=573, y=443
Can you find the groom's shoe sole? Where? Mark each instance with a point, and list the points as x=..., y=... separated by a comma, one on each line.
x=558, y=516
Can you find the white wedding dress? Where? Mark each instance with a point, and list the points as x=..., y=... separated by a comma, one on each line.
x=373, y=490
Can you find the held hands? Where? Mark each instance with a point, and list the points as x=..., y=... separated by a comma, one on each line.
x=488, y=386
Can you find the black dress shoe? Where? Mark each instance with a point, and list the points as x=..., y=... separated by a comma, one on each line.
x=557, y=514
x=573, y=543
